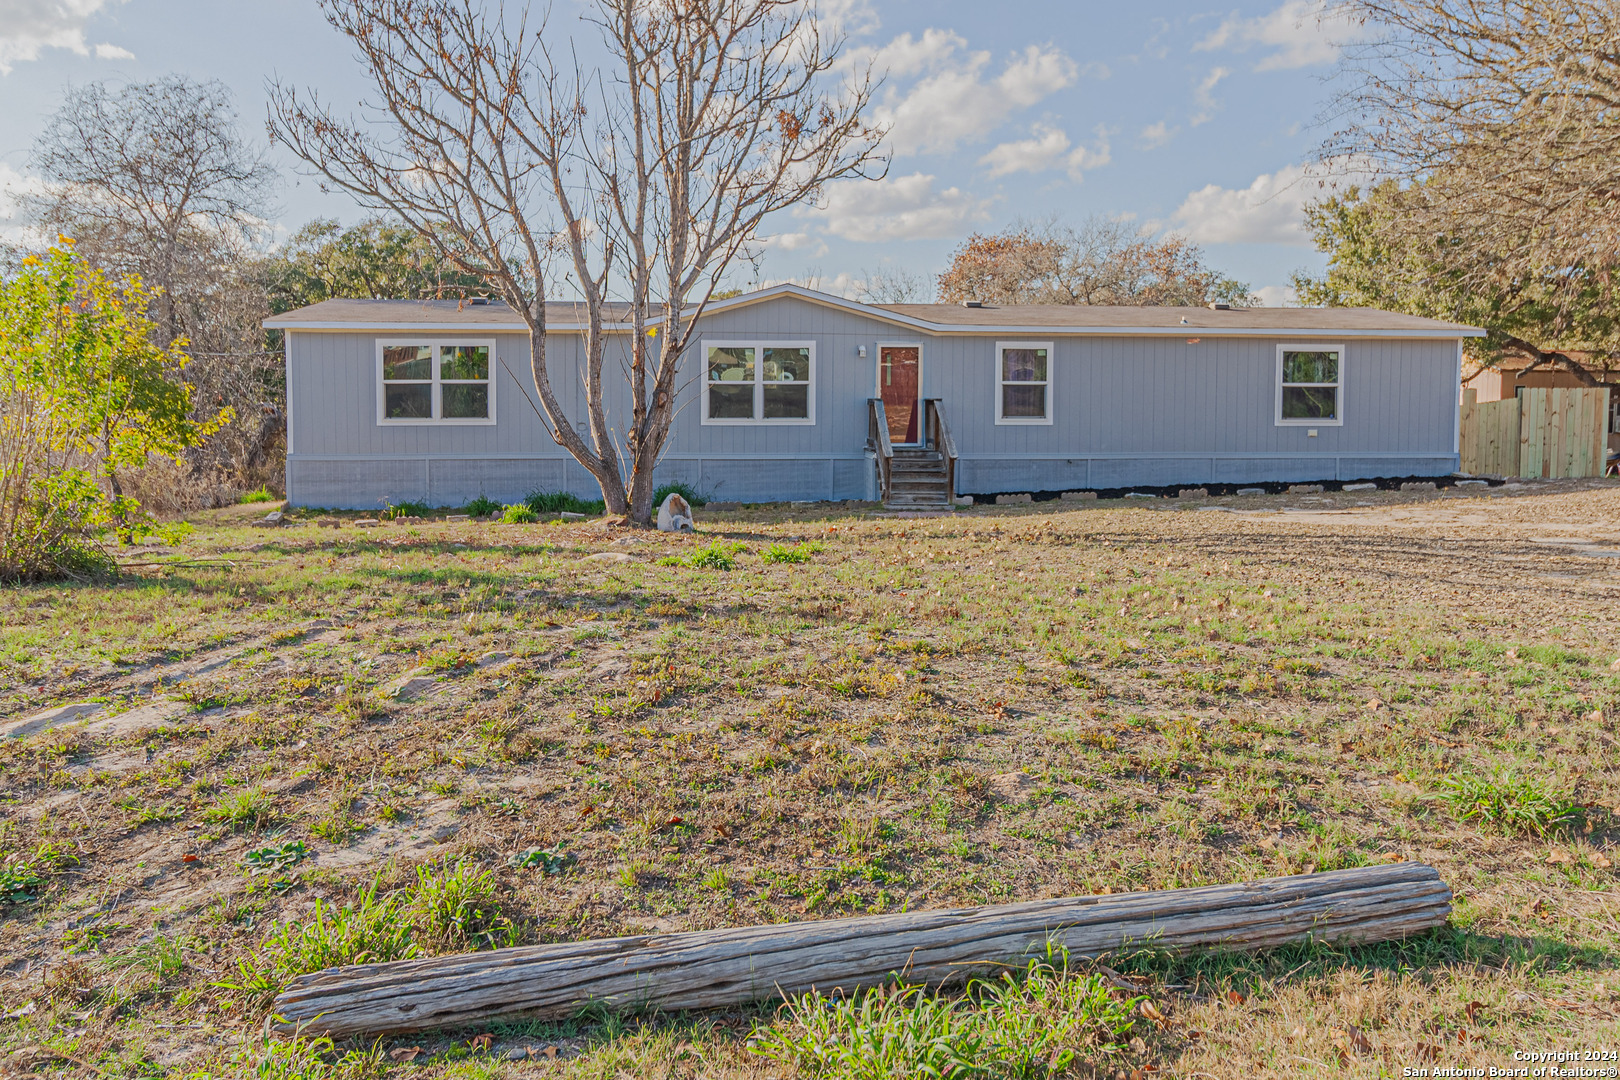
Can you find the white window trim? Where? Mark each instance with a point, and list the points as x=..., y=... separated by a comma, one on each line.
x=1338, y=410
x=759, y=346
x=1051, y=364
x=437, y=384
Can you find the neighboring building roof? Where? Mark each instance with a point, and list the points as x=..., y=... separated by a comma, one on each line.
x=452, y=315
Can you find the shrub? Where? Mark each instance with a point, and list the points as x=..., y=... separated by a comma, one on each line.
x=555, y=502
x=685, y=491
x=518, y=514
x=258, y=495
x=1508, y=802
x=483, y=506
x=84, y=387
x=52, y=527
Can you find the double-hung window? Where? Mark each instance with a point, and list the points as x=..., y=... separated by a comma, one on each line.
x=435, y=382
x=1310, y=385
x=1023, y=382
x=759, y=382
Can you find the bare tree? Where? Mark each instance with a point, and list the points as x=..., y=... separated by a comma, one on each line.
x=893, y=286
x=644, y=166
x=155, y=179
x=1498, y=118
x=152, y=178
x=1099, y=261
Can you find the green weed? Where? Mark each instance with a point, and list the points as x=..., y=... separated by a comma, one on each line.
x=274, y=858
x=1035, y=1022
x=556, y=502
x=795, y=553
x=455, y=906
x=251, y=808
x=483, y=506
x=161, y=957
x=258, y=495
x=518, y=514
x=1512, y=803
x=547, y=862
x=19, y=882
x=370, y=929
x=408, y=509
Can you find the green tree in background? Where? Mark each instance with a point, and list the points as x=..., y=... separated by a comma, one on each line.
x=374, y=260
x=1376, y=258
x=85, y=391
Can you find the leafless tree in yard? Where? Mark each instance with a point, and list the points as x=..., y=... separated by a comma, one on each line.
x=643, y=166
x=1498, y=120
x=155, y=179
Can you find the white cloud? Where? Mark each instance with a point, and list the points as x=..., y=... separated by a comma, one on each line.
x=1277, y=296
x=855, y=17
x=1049, y=148
x=1038, y=153
x=898, y=208
x=1204, y=97
x=1300, y=33
x=108, y=51
x=28, y=27
x=955, y=98
x=1268, y=211
x=13, y=186
x=794, y=241
x=1155, y=135
x=1085, y=158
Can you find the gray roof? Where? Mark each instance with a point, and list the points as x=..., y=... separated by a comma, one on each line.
x=453, y=315
x=1059, y=316
x=404, y=313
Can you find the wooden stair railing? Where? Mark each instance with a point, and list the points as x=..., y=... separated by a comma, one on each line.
x=877, y=440
x=939, y=437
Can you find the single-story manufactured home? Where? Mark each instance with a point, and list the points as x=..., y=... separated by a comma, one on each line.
x=788, y=393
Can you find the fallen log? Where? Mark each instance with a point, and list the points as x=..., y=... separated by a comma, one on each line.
x=719, y=968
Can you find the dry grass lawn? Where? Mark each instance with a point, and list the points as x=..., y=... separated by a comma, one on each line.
x=472, y=734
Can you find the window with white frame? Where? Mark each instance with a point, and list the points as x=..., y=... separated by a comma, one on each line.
x=435, y=382
x=1024, y=382
x=1310, y=385
x=759, y=382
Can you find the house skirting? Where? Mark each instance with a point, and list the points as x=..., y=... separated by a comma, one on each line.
x=371, y=483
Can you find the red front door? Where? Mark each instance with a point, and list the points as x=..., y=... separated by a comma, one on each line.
x=899, y=385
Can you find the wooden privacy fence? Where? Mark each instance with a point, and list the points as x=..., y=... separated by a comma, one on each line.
x=1543, y=432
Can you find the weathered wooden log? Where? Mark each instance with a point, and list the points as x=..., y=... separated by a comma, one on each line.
x=719, y=968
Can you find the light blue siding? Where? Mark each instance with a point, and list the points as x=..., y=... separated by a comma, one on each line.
x=1127, y=411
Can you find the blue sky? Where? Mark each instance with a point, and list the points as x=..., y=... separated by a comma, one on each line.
x=1179, y=115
